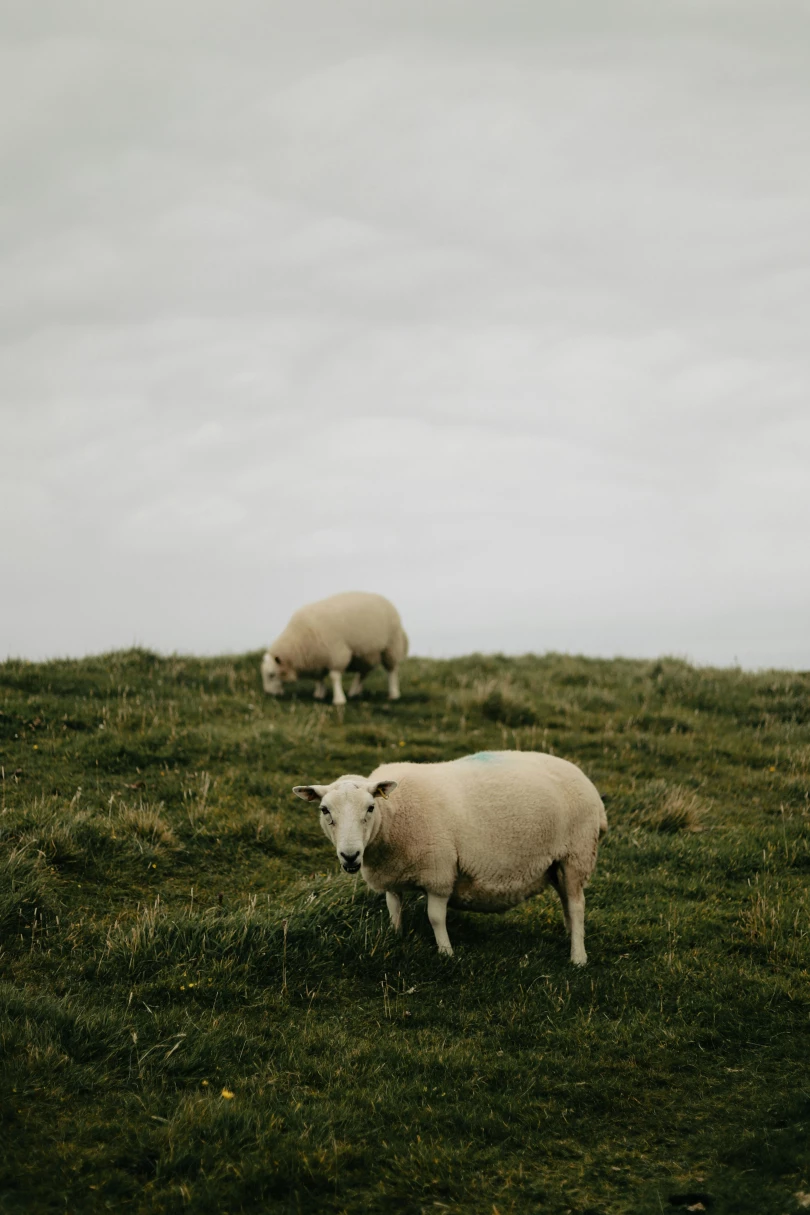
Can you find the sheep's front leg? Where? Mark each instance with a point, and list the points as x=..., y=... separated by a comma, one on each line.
x=357, y=686
x=437, y=914
x=320, y=690
x=394, y=902
x=338, y=697
x=393, y=684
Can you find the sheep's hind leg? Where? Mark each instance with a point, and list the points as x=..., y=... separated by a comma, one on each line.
x=437, y=914
x=394, y=902
x=390, y=660
x=357, y=685
x=556, y=880
x=320, y=690
x=338, y=695
x=576, y=911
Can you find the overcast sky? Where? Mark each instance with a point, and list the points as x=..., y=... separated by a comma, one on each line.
x=499, y=308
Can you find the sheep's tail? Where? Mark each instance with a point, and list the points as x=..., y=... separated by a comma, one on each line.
x=603, y=823
x=405, y=643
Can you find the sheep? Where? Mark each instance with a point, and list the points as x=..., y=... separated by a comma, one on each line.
x=481, y=833
x=354, y=631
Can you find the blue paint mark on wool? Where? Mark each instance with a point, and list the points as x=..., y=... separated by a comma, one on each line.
x=485, y=757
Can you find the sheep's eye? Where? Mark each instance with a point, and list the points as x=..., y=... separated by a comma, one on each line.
x=371, y=807
x=324, y=809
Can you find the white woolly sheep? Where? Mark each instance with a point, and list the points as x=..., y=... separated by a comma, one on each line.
x=354, y=631
x=481, y=833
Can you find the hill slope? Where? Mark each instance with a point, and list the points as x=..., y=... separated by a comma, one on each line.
x=198, y=1011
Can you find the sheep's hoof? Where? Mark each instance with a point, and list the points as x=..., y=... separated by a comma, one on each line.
x=446, y=951
x=583, y=961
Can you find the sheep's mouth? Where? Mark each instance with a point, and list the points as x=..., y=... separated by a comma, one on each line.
x=352, y=868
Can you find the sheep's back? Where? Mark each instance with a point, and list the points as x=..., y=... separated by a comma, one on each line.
x=496, y=807
x=364, y=621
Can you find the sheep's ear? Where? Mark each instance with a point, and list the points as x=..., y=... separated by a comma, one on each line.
x=310, y=793
x=383, y=788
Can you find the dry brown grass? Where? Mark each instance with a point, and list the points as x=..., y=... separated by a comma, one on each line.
x=499, y=699
x=669, y=808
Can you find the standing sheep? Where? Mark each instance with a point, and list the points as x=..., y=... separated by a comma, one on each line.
x=481, y=833
x=354, y=631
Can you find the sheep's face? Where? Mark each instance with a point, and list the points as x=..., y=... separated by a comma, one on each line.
x=275, y=673
x=349, y=812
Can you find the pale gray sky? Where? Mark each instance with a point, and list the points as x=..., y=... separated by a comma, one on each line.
x=500, y=309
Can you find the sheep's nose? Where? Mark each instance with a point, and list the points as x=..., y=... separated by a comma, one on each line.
x=350, y=860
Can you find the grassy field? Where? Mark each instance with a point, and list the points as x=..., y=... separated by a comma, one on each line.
x=199, y=1012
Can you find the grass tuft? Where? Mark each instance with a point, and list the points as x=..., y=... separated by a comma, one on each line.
x=497, y=700
x=147, y=828
x=27, y=895
x=669, y=808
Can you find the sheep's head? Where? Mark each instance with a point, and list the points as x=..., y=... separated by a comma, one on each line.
x=275, y=673
x=349, y=814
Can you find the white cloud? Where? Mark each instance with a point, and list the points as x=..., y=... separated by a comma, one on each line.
x=504, y=316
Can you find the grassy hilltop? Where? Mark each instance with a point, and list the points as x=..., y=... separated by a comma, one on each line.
x=199, y=1012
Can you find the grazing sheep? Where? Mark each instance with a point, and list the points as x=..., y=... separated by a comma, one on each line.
x=481, y=833
x=354, y=631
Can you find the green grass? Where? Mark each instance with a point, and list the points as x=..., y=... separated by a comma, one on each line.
x=174, y=925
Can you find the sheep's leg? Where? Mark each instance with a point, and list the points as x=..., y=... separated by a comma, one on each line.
x=338, y=697
x=320, y=690
x=556, y=879
x=357, y=685
x=394, y=902
x=437, y=914
x=393, y=684
x=576, y=912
